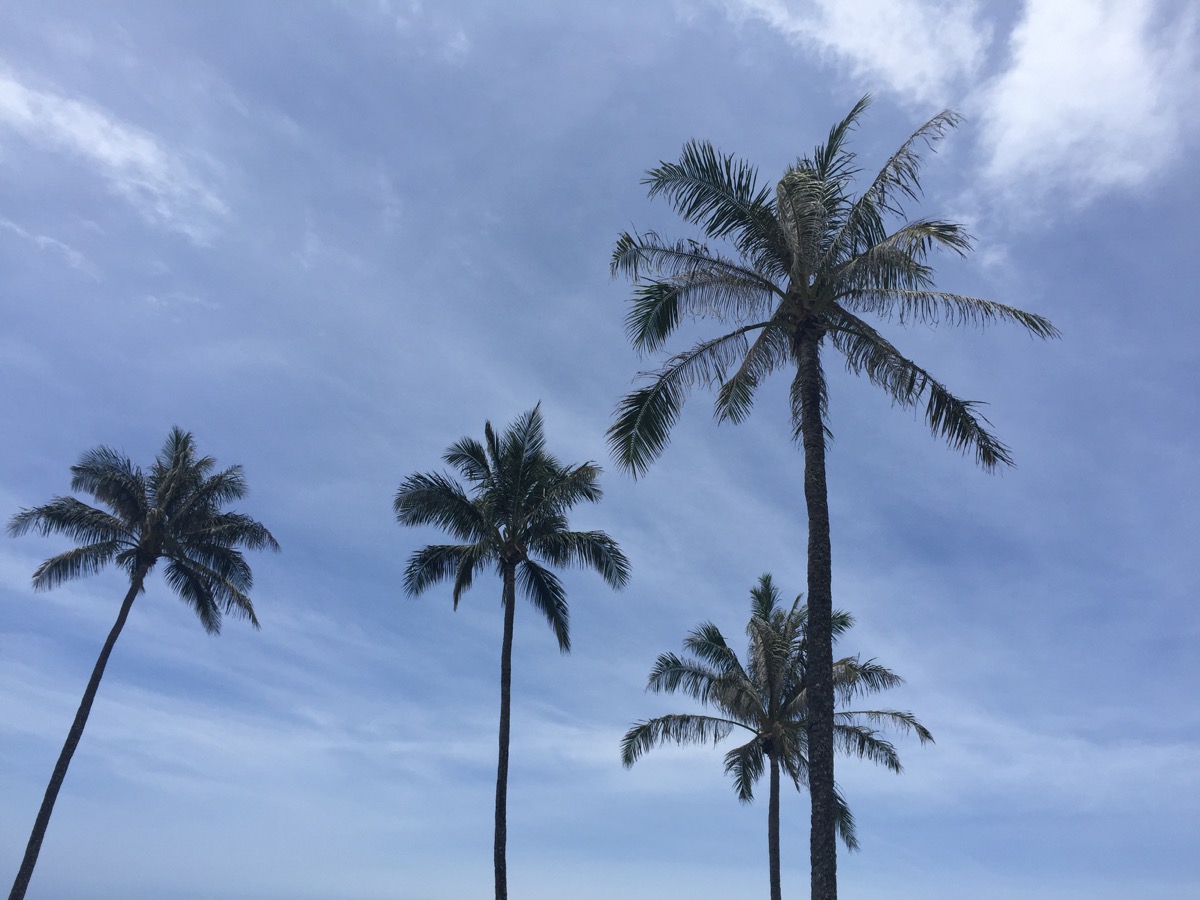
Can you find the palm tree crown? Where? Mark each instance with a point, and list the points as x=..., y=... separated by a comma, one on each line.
x=766, y=699
x=810, y=259
x=512, y=518
x=174, y=513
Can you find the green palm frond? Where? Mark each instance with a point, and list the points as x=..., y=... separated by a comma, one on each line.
x=941, y=307
x=470, y=458
x=904, y=722
x=769, y=351
x=436, y=499
x=73, y=519
x=865, y=743
x=746, y=764
x=866, y=352
x=433, y=564
x=548, y=597
x=590, y=549
x=672, y=673
x=113, y=480
x=720, y=193
x=831, y=160
x=75, y=563
x=646, y=415
x=852, y=678
x=844, y=820
x=681, y=729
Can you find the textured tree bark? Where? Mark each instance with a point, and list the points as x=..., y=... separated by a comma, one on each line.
x=498, y=855
x=773, y=830
x=34, y=847
x=822, y=837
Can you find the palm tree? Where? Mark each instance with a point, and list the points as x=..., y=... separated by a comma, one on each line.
x=768, y=698
x=808, y=262
x=514, y=521
x=173, y=513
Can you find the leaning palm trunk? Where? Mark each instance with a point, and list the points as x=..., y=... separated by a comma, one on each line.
x=34, y=847
x=499, y=852
x=822, y=837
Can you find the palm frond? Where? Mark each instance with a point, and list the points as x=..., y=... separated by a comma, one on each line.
x=672, y=673
x=74, y=563
x=645, y=416
x=470, y=458
x=676, y=729
x=436, y=499
x=956, y=421
x=720, y=193
x=865, y=743
x=431, y=564
x=768, y=352
x=111, y=478
x=547, y=595
x=593, y=549
x=905, y=722
x=746, y=764
x=73, y=519
x=941, y=307
x=844, y=820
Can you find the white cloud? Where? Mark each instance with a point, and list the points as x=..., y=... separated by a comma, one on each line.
x=921, y=49
x=158, y=182
x=74, y=258
x=1096, y=94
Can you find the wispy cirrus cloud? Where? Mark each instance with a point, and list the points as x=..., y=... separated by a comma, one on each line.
x=160, y=183
x=73, y=257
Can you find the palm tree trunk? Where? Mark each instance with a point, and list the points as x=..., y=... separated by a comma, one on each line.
x=822, y=837
x=773, y=830
x=498, y=854
x=34, y=847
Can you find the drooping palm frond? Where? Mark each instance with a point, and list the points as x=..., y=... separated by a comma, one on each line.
x=77, y=562
x=548, y=597
x=591, y=549
x=645, y=417
x=868, y=353
x=677, y=729
x=746, y=765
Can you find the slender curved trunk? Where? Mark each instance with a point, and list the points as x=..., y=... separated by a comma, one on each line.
x=822, y=837
x=498, y=854
x=773, y=830
x=34, y=847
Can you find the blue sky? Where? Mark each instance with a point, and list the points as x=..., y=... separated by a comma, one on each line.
x=330, y=238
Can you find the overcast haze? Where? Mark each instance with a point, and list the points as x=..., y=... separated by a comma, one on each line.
x=331, y=238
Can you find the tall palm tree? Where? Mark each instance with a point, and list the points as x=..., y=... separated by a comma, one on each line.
x=805, y=262
x=172, y=513
x=768, y=699
x=513, y=520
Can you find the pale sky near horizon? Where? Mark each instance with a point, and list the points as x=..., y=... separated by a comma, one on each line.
x=331, y=238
